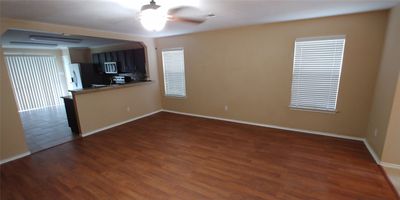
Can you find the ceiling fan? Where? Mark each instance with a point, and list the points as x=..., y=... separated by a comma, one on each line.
x=154, y=18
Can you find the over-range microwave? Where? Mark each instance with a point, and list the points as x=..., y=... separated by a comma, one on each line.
x=110, y=68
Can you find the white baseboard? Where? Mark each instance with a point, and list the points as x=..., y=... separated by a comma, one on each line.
x=270, y=126
x=15, y=157
x=390, y=165
x=372, y=152
x=377, y=159
x=119, y=123
x=370, y=149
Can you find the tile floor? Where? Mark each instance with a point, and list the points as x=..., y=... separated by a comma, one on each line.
x=46, y=127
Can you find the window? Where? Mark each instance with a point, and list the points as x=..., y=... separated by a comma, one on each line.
x=174, y=72
x=316, y=73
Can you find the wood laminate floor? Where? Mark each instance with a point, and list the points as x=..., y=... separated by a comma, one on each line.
x=46, y=127
x=169, y=156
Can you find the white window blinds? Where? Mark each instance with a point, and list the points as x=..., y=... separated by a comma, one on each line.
x=36, y=81
x=174, y=72
x=316, y=73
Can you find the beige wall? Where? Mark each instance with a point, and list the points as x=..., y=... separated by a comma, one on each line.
x=12, y=138
x=101, y=109
x=391, y=150
x=249, y=69
x=385, y=86
x=13, y=142
x=80, y=55
x=126, y=46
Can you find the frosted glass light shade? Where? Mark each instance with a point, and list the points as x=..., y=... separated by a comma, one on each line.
x=153, y=19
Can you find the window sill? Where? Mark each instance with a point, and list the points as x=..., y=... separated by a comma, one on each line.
x=175, y=97
x=314, y=110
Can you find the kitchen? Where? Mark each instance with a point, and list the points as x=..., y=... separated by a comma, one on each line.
x=83, y=65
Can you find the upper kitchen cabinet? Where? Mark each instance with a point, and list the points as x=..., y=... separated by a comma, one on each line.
x=114, y=57
x=129, y=61
x=108, y=57
x=129, y=58
x=102, y=58
x=95, y=58
x=140, y=61
x=121, y=59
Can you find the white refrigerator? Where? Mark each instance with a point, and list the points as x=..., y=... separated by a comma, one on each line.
x=76, y=79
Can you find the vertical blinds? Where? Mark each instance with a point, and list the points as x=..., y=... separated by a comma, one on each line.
x=174, y=72
x=35, y=81
x=316, y=73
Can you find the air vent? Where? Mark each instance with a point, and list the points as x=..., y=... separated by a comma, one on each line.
x=33, y=44
x=54, y=39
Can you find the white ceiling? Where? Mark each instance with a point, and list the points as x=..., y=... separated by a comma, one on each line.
x=121, y=15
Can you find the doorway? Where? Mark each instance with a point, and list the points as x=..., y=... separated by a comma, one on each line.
x=44, y=67
x=38, y=81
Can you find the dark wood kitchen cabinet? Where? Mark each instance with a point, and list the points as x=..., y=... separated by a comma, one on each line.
x=102, y=58
x=95, y=58
x=108, y=57
x=128, y=61
x=114, y=56
x=140, y=61
x=121, y=60
x=71, y=114
x=97, y=62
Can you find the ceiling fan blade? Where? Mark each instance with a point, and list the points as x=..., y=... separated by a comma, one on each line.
x=187, y=20
x=178, y=9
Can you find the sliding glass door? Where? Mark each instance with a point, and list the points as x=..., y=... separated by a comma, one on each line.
x=36, y=81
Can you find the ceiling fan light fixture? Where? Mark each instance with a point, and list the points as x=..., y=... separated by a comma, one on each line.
x=152, y=18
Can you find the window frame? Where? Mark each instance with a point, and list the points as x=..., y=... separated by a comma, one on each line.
x=164, y=74
x=329, y=111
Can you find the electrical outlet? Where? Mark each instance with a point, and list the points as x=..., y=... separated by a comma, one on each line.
x=376, y=132
x=226, y=108
x=128, y=109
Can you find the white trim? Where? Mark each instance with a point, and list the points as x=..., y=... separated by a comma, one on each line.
x=331, y=37
x=389, y=165
x=372, y=152
x=313, y=110
x=173, y=49
x=175, y=96
x=119, y=123
x=15, y=157
x=270, y=126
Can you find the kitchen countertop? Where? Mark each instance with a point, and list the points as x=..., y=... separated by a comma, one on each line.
x=109, y=87
x=67, y=97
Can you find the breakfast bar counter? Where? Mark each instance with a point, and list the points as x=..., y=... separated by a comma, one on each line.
x=100, y=88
